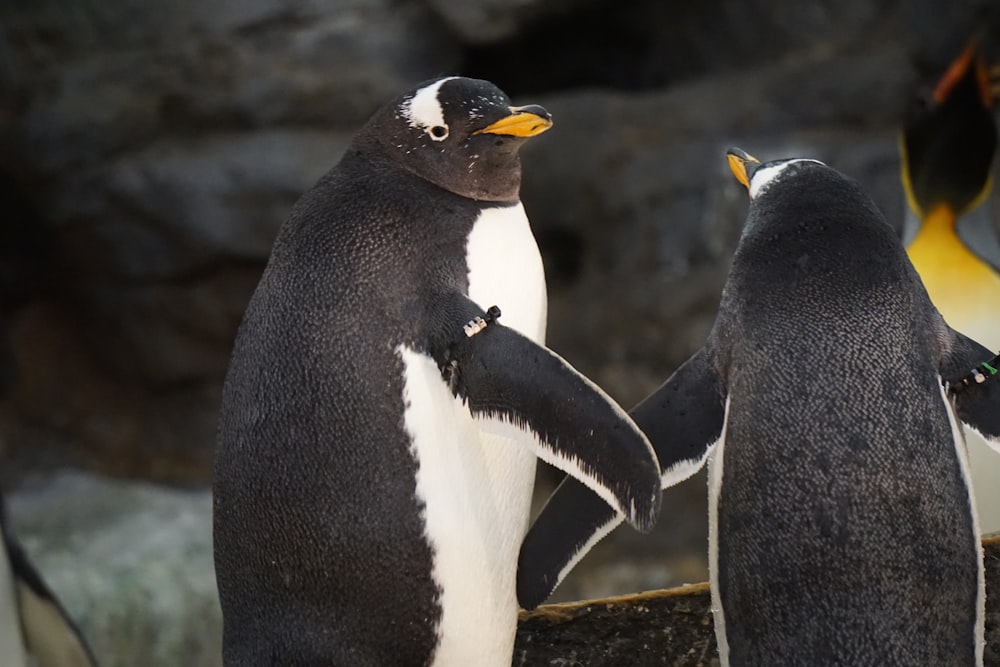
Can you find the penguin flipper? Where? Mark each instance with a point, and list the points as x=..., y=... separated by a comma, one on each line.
x=683, y=419
x=49, y=633
x=512, y=384
x=977, y=404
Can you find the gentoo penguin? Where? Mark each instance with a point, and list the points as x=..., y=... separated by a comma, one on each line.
x=947, y=149
x=829, y=393
x=388, y=395
x=34, y=628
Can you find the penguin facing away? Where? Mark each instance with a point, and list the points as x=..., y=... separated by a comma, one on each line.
x=34, y=627
x=380, y=420
x=947, y=149
x=829, y=394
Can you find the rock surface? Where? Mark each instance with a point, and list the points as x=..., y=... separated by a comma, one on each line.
x=131, y=563
x=672, y=627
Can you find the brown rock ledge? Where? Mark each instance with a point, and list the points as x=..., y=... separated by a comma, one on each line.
x=669, y=627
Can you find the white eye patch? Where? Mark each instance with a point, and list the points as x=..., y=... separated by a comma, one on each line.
x=423, y=110
x=763, y=177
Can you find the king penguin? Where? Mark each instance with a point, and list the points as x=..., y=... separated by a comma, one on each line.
x=947, y=149
x=35, y=630
x=388, y=395
x=828, y=395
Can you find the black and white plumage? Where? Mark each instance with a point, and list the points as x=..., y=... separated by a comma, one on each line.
x=377, y=443
x=35, y=630
x=842, y=524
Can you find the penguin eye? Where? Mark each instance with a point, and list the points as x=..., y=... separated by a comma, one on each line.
x=438, y=132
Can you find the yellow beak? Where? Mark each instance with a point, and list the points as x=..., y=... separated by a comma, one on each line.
x=738, y=159
x=522, y=122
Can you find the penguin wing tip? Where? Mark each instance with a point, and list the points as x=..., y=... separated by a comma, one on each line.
x=531, y=600
x=533, y=585
x=642, y=515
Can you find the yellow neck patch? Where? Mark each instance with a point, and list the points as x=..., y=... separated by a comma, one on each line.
x=961, y=286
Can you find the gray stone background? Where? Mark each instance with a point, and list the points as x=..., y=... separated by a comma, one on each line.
x=150, y=150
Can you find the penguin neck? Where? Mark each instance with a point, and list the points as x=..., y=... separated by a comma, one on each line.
x=938, y=224
x=957, y=281
x=492, y=176
x=936, y=249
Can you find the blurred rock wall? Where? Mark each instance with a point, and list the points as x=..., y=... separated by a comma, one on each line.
x=149, y=151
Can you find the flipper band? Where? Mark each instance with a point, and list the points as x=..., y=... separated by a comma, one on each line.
x=977, y=375
x=477, y=324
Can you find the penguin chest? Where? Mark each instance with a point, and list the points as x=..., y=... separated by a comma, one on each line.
x=474, y=487
x=474, y=492
x=505, y=269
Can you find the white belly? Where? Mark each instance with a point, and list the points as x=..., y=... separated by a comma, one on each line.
x=984, y=466
x=11, y=642
x=984, y=461
x=476, y=490
x=715, y=464
x=477, y=486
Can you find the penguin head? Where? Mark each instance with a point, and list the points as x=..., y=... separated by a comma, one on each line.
x=808, y=223
x=949, y=139
x=461, y=134
x=758, y=177
x=801, y=194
